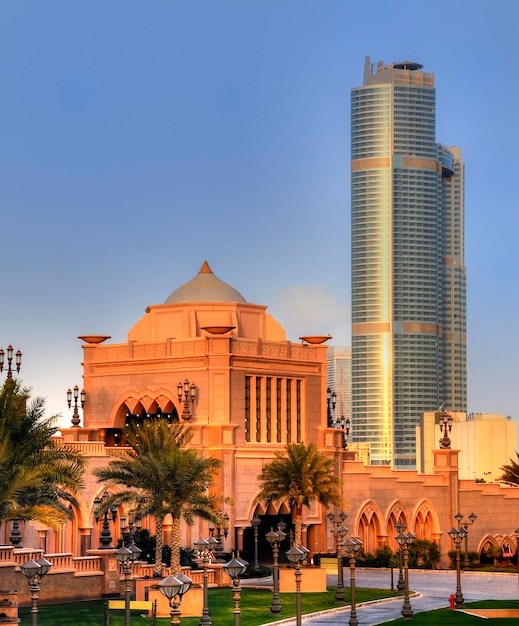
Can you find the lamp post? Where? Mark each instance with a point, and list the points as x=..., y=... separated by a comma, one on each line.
x=400, y=585
x=275, y=538
x=173, y=588
x=234, y=569
x=331, y=399
x=105, y=538
x=224, y=524
x=15, y=537
x=126, y=558
x=296, y=555
x=255, y=521
x=338, y=532
x=34, y=571
x=203, y=546
x=186, y=393
x=445, y=422
x=405, y=540
x=77, y=396
x=472, y=518
x=458, y=535
x=352, y=546
x=516, y=532
x=17, y=357
x=129, y=529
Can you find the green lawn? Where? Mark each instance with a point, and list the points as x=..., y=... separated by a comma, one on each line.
x=255, y=609
x=446, y=617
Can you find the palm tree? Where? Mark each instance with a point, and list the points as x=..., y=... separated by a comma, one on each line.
x=160, y=475
x=303, y=476
x=39, y=474
x=511, y=472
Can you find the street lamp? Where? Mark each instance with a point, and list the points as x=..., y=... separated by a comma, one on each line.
x=18, y=361
x=34, y=571
x=331, y=399
x=129, y=529
x=222, y=524
x=405, y=540
x=126, y=558
x=235, y=568
x=516, y=532
x=400, y=585
x=352, y=547
x=203, y=546
x=458, y=535
x=105, y=538
x=445, y=422
x=472, y=518
x=296, y=556
x=77, y=396
x=338, y=532
x=173, y=588
x=186, y=393
x=275, y=538
x=255, y=521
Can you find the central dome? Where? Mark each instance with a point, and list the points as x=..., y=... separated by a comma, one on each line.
x=205, y=287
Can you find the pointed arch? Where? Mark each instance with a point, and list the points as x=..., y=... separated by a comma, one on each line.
x=426, y=522
x=369, y=526
x=397, y=514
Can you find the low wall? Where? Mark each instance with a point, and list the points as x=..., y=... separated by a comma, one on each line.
x=313, y=579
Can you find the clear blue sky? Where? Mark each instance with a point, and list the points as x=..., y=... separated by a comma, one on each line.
x=139, y=138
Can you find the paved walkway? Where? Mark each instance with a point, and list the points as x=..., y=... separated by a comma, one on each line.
x=432, y=589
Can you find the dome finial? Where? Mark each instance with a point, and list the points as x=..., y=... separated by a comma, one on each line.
x=205, y=269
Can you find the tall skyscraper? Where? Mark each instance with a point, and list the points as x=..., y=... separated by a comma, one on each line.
x=339, y=379
x=408, y=272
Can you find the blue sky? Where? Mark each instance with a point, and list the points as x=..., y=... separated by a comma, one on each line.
x=140, y=138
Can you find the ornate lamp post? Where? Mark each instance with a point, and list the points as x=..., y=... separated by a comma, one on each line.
x=126, y=558
x=186, y=393
x=203, y=547
x=255, y=521
x=400, y=585
x=516, y=532
x=331, y=399
x=15, y=537
x=105, y=538
x=130, y=529
x=351, y=547
x=458, y=535
x=18, y=361
x=234, y=569
x=218, y=546
x=275, y=538
x=296, y=556
x=338, y=532
x=405, y=540
x=77, y=396
x=174, y=587
x=34, y=571
x=445, y=422
x=472, y=518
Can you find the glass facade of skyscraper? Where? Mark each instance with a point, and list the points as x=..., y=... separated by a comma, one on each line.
x=408, y=277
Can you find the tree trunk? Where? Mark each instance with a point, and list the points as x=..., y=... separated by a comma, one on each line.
x=157, y=572
x=298, y=538
x=174, y=566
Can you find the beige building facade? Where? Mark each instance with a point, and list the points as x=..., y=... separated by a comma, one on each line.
x=223, y=366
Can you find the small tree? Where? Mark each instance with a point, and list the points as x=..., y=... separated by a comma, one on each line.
x=160, y=474
x=303, y=476
x=511, y=472
x=39, y=474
